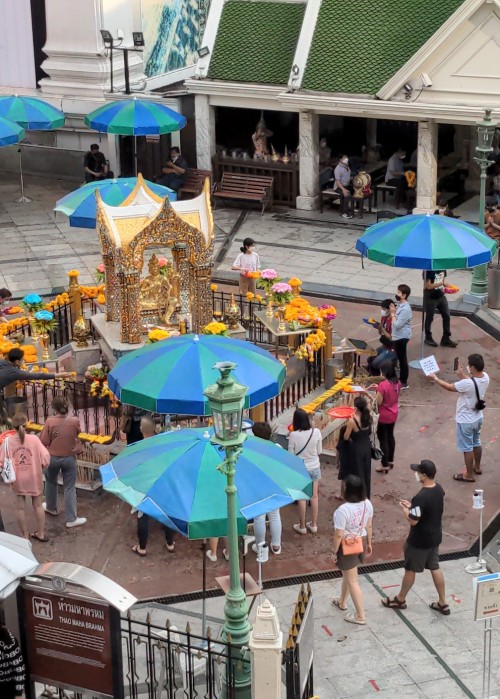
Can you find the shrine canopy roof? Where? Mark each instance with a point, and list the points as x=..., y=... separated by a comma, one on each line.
x=142, y=207
x=256, y=41
x=358, y=45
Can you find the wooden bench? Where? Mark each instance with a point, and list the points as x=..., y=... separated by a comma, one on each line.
x=384, y=188
x=245, y=188
x=193, y=184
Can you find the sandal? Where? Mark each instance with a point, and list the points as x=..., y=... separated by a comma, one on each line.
x=336, y=603
x=464, y=479
x=36, y=535
x=478, y=472
x=351, y=618
x=394, y=603
x=382, y=470
x=441, y=608
x=135, y=549
x=170, y=547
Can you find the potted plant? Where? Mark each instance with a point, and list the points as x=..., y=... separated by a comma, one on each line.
x=282, y=294
x=43, y=324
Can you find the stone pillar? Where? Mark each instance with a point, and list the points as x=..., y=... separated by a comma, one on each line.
x=426, y=167
x=76, y=62
x=205, y=132
x=265, y=645
x=308, y=161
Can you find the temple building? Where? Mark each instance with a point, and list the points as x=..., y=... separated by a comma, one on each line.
x=368, y=77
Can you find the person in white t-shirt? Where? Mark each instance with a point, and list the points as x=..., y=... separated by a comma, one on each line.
x=352, y=519
x=306, y=442
x=247, y=261
x=471, y=390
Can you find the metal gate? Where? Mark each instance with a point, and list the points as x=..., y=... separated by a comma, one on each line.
x=300, y=648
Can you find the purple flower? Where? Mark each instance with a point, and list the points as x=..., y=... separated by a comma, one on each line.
x=268, y=274
x=281, y=288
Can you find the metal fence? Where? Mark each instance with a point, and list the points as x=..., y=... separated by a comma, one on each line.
x=173, y=664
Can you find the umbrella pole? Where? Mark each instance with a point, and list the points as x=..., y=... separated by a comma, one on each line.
x=204, y=585
x=415, y=363
x=135, y=155
x=22, y=199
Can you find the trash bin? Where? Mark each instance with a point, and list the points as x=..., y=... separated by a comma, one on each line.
x=16, y=404
x=494, y=286
x=334, y=370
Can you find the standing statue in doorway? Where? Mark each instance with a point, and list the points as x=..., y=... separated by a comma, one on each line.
x=259, y=138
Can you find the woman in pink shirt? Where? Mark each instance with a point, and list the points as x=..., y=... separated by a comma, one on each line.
x=388, y=408
x=29, y=457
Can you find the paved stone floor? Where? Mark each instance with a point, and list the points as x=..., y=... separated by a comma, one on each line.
x=37, y=250
x=415, y=653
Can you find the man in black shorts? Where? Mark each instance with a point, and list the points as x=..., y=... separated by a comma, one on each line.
x=435, y=300
x=424, y=514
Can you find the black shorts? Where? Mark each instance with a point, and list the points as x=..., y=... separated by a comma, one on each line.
x=417, y=560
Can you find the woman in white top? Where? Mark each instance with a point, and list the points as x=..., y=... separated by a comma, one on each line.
x=353, y=518
x=306, y=442
x=247, y=261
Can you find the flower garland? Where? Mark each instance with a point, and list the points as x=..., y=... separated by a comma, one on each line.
x=157, y=335
x=215, y=328
x=312, y=344
x=83, y=436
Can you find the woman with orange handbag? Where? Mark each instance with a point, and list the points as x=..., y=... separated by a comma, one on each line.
x=352, y=540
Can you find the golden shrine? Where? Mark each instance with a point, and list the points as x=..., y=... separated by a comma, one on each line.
x=144, y=220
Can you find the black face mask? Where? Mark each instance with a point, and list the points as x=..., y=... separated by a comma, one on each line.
x=398, y=299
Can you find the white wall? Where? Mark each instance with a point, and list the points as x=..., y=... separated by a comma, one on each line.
x=17, y=65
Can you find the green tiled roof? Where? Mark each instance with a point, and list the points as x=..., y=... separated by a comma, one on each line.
x=359, y=45
x=256, y=41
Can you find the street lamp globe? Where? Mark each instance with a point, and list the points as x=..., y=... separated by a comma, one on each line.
x=226, y=399
x=485, y=133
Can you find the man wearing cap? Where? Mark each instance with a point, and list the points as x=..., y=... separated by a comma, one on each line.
x=424, y=514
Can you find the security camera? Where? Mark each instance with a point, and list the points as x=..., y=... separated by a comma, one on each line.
x=426, y=81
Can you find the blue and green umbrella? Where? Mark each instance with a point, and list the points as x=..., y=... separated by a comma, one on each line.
x=135, y=117
x=31, y=113
x=426, y=242
x=81, y=206
x=10, y=132
x=174, y=478
x=170, y=376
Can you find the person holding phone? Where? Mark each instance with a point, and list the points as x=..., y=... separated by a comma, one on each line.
x=471, y=389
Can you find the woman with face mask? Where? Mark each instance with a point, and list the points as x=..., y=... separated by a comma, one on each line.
x=385, y=351
x=5, y=297
x=247, y=261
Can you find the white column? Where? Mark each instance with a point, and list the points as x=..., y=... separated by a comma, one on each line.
x=426, y=167
x=265, y=645
x=205, y=132
x=308, y=198
x=76, y=61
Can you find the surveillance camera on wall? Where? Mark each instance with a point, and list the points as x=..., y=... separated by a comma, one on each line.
x=426, y=80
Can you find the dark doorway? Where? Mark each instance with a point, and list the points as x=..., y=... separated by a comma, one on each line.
x=234, y=129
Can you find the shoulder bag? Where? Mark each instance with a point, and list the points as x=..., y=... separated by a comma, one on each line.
x=8, y=471
x=352, y=544
x=305, y=445
x=480, y=404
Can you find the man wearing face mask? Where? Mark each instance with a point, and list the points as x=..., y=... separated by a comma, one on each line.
x=395, y=173
x=421, y=550
x=174, y=172
x=342, y=175
x=435, y=300
x=401, y=331
x=471, y=389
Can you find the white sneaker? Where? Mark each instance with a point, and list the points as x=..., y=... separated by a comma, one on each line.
x=76, y=522
x=54, y=513
x=298, y=529
x=212, y=556
x=226, y=554
x=312, y=529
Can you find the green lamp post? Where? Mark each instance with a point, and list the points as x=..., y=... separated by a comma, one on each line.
x=226, y=399
x=485, y=133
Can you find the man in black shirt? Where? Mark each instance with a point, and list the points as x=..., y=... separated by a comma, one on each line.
x=435, y=300
x=424, y=514
x=174, y=172
x=95, y=165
